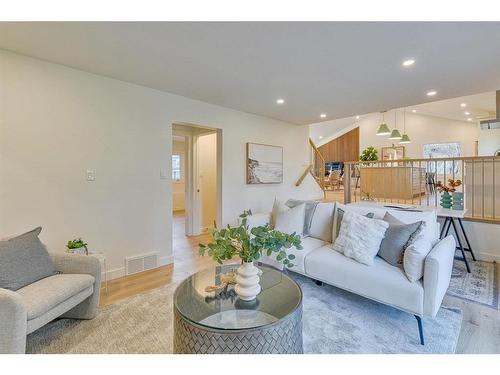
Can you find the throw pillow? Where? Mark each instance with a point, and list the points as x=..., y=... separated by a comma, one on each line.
x=322, y=221
x=310, y=208
x=290, y=220
x=23, y=260
x=397, y=238
x=414, y=258
x=360, y=237
x=338, y=220
x=430, y=229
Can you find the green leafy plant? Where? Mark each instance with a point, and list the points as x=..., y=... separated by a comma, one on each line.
x=369, y=154
x=250, y=244
x=77, y=243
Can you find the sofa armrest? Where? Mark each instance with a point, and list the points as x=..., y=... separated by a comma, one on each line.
x=258, y=219
x=437, y=274
x=81, y=264
x=76, y=263
x=13, y=323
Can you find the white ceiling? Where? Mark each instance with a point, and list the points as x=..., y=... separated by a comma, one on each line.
x=479, y=106
x=341, y=69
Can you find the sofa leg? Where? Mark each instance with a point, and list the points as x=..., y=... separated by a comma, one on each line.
x=420, y=329
x=317, y=282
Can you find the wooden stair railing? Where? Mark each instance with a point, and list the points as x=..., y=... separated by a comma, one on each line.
x=316, y=168
x=303, y=176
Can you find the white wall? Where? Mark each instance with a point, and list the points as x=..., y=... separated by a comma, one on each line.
x=207, y=178
x=489, y=142
x=57, y=122
x=179, y=187
x=421, y=129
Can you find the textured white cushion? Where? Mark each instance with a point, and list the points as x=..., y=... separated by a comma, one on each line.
x=414, y=258
x=341, y=208
x=380, y=282
x=360, y=237
x=431, y=229
x=322, y=221
x=289, y=220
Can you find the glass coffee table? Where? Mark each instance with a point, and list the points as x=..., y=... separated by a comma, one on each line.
x=210, y=322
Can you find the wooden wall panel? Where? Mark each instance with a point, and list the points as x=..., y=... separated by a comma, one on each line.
x=343, y=148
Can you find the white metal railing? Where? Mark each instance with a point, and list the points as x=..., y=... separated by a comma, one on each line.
x=414, y=181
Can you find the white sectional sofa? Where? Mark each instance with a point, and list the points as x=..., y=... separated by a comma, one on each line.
x=381, y=282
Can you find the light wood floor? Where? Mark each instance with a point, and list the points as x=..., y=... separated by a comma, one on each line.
x=480, y=332
x=186, y=262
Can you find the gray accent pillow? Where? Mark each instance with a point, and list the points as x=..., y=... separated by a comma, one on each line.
x=340, y=215
x=310, y=208
x=23, y=260
x=397, y=238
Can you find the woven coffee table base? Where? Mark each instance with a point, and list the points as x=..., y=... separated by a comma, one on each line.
x=281, y=337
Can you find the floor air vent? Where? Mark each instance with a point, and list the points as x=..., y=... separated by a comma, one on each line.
x=141, y=263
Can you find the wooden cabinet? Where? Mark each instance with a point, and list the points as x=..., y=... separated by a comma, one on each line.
x=393, y=182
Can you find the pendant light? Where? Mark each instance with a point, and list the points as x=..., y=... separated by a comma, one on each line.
x=404, y=138
x=383, y=129
x=395, y=134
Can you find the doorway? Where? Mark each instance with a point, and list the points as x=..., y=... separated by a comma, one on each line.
x=196, y=179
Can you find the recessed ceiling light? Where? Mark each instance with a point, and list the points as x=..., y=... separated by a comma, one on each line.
x=463, y=105
x=323, y=115
x=408, y=62
x=469, y=119
x=280, y=101
x=431, y=93
x=414, y=110
x=320, y=137
x=467, y=113
x=357, y=117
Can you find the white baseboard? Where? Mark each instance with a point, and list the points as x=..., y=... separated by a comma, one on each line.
x=115, y=273
x=120, y=271
x=488, y=257
x=163, y=261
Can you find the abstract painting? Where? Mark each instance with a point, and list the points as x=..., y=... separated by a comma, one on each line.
x=264, y=164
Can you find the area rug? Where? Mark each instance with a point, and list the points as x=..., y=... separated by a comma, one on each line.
x=335, y=321
x=479, y=286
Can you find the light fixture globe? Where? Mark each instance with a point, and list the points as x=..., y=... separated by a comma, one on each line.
x=383, y=129
x=405, y=139
x=395, y=134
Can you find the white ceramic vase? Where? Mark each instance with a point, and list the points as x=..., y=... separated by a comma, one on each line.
x=247, y=281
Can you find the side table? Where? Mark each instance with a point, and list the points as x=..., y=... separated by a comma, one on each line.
x=450, y=216
x=104, y=268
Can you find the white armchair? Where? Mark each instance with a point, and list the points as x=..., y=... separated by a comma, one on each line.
x=73, y=293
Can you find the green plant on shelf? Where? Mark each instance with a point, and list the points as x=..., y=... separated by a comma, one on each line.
x=369, y=154
x=76, y=244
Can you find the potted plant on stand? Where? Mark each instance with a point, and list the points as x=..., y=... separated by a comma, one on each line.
x=369, y=154
x=446, y=198
x=249, y=245
x=77, y=246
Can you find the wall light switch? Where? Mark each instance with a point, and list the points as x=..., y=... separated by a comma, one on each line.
x=90, y=175
x=163, y=174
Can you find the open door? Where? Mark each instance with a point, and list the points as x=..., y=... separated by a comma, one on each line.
x=202, y=178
